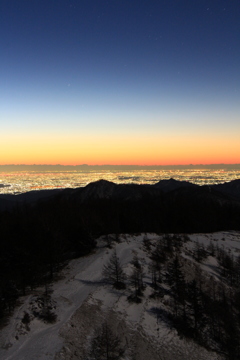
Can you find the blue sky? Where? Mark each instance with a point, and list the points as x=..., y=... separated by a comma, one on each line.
x=92, y=72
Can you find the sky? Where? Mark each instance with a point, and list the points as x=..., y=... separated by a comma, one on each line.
x=145, y=82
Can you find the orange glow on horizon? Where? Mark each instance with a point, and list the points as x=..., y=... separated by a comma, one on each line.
x=120, y=150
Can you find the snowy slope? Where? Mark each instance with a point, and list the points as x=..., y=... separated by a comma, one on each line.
x=82, y=301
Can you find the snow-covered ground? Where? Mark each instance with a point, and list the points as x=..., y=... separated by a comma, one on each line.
x=82, y=301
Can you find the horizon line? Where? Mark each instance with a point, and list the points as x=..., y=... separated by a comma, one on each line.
x=127, y=165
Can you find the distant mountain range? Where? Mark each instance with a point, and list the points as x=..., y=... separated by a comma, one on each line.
x=168, y=205
x=103, y=189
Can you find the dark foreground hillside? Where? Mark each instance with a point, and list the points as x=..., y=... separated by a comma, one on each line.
x=40, y=230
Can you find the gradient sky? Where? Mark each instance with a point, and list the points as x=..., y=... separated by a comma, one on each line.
x=119, y=81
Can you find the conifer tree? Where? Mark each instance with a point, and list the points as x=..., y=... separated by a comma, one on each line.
x=194, y=297
x=105, y=345
x=113, y=271
x=177, y=282
x=136, y=276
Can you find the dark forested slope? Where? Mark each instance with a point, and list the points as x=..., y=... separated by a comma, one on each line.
x=41, y=229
